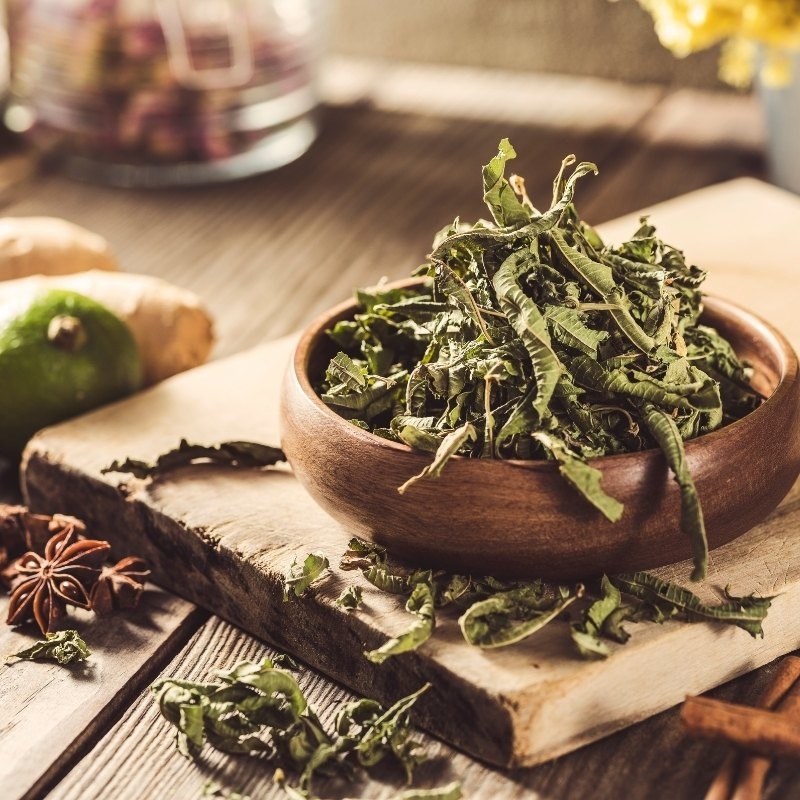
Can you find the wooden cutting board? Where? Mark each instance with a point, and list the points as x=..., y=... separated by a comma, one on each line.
x=222, y=538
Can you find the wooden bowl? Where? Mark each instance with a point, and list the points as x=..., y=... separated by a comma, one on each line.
x=520, y=518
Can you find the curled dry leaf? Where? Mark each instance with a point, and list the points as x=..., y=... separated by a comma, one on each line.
x=500, y=613
x=260, y=709
x=63, y=647
x=240, y=455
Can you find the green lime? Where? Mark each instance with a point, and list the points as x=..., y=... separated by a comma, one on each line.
x=60, y=354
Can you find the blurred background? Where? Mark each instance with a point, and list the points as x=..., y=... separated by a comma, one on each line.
x=171, y=92
x=594, y=38
x=371, y=120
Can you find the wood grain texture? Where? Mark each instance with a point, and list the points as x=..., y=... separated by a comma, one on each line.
x=519, y=519
x=385, y=173
x=647, y=112
x=52, y=713
x=231, y=560
x=222, y=538
x=650, y=761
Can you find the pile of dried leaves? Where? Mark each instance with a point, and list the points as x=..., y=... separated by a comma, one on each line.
x=260, y=709
x=530, y=338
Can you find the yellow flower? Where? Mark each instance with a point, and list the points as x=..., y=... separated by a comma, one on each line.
x=685, y=26
x=737, y=62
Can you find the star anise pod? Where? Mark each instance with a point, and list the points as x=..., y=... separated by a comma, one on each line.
x=22, y=531
x=45, y=585
x=119, y=586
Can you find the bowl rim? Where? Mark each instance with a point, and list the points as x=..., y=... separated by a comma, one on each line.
x=765, y=331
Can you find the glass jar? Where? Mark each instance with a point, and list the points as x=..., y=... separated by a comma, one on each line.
x=158, y=92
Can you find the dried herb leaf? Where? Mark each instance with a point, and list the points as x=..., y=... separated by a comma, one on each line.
x=246, y=455
x=300, y=576
x=450, y=445
x=581, y=475
x=420, y=604
x=666, y=433
x=497, y=192
x=587, y=634
x=386, y=580
x=500, y=613
x=569, y=328
x=508, y=617
x=673, y=601
x=64, y=647
x=598, y=278
x=451, y=588
x=360, y=554
x=350, y=598
x=344, y=370
x=529, y=324
x=382, y=733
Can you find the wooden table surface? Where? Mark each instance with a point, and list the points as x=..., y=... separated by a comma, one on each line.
x=392, y=165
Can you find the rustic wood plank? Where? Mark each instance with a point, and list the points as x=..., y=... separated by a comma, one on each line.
x=223, y=538
x=131, y=760
x=234, y=553
x=706, y=122
x=638, y=176
x=52, y=714
x=652, y=113
x=651, y=760
x=537, y=99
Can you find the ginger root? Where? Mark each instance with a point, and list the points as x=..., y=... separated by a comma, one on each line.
x=50, y=246
x=171, y=328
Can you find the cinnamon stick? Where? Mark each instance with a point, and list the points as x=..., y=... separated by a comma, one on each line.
x=740, y=776
x=752, y=772
x=786, y=676
x=753, y=769
x=766, y=733
x=725, y=781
